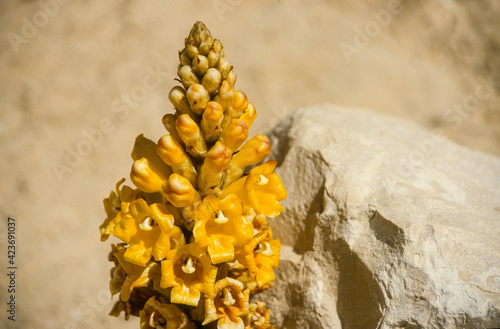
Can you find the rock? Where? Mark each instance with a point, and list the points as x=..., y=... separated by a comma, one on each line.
x=386, y=225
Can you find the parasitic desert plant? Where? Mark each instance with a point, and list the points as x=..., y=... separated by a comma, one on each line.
x=195, y=243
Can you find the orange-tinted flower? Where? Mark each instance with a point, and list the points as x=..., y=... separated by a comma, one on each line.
x=227, y=304
x=221, y=226
x=127, y=276
x=189, y=271
x=157, y=315
x=117, y=201
x=261, y=189
x=260, y=256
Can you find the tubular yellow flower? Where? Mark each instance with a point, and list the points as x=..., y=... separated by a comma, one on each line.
x=188, y=270
x=235, y=134
x=227, y=304
x=173, y=154
x=225, y=95
x=221, y=226
x=179, y=191
x=211, y=121
x=146, y=229
x=117, y=201
x=260, y=255
x=252, y=152
x=136, y=276
x=249, y=115
x=216, y=161
x=157, y=315
x=191, y=135
x=261, y=189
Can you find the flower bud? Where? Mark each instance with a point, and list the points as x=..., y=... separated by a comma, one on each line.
x=231, y=77
x=225, y=95
x=200, y=65
x=192, y=51
x=252, y=152
x=205, y=46
x=216, y=161
x=178, y=191
x=145, y=177
x=184, y=58
x=211, y=121
x=249, y=115
x=214, y=54
x=224, y=67
x=188, y=77
x=198, y=98
x=211, y=80
x=173, y=154
x=191, y=135
x=177, y=97
x=235, y=134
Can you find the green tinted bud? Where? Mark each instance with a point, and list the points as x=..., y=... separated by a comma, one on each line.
x=211, y=80
x=188, y=77
x=224, y=67
x=200, y=65
x=198, y=98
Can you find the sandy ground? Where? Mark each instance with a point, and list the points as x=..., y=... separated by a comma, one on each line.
x=68, y=70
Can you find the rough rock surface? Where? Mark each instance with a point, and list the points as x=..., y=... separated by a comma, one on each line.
x=386, y=225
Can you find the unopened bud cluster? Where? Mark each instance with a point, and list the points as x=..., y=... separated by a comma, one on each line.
x=195, y=244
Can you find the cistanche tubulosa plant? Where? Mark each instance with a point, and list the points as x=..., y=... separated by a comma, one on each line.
x=195, y=240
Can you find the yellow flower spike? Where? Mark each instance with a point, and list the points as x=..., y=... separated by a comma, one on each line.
x=157, y=315
x=211, y=80
x=221, y=226
x=253, y=151
x=117, y=201
x=225, y=95
x=136, y=276
x=235, y=134
x=188, y=77
x=191, y=135
x=249, y=115
x=261, y=189
x=228, y=303
x=211, y=172
x=179, y=191
x=258, y=316
x=187, y=287
x=260, y=256
x=198, y=98
x=211, y=121
x=145, y=177
x=173, y=154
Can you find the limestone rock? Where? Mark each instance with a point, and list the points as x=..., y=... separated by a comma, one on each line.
x=386, y=225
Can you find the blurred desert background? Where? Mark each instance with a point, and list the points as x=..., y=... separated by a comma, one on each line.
x=72, y=101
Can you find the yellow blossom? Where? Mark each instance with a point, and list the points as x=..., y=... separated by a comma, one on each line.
x=117, y=201
x=221, y=226
x=128, y=276
x=258, y=316
x=147, y=231
x=260, y=256
x=157, y=315
x=227, y=304
x=261, y=189
x=189, y=271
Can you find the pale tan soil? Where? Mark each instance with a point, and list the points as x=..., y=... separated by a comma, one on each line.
x=65, y=78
